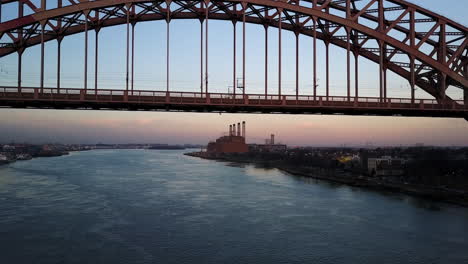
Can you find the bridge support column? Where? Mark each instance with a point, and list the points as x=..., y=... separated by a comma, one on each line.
x=234, y=58
x=96, y=56
x=20, y=37
x=412, y=79
x=128, y=48
x=206, y=45
x=348, y=47
x=327, y=68
x=168, y=19
x=385, y=84
x=208, y=101
x=59, y=47
x=315, y=54
x=244, y=7
x=125, y=96
x=348, y=64
x=382, y=74
x=82, y=95
x=297, y=65
x=412, y=37
x=327, y=61
x=20, y=62
x=246, y=99
x=133, y=52
x=201, y=54
x=356, y=74
x=36, y=93
x=86, y=13
x=280, y=12
x=266, y=59
x=42, y=55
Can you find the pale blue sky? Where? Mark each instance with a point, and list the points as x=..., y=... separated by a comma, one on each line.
x=185, y=72
x=150, y=60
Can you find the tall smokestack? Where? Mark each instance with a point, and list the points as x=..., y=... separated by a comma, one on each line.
x=230, y=130
x=243, y=129
x=272, y=141
x=233, y=130
x=238, y=129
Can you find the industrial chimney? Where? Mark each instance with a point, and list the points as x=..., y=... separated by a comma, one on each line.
x=230, y=130
x=272, y=140
x=238, y=130
x=243, y=129
x=233, y=130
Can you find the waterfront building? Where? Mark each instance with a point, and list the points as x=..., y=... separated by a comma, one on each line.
x=234, y=142
x=385, y=166
x=3, y=159
x=6, y=157
x=8, y=148
x=23, y=157
x=269, y=146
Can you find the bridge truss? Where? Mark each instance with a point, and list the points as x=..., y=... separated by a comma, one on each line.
x=430, y=51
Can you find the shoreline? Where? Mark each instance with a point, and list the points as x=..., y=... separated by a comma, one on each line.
x=360, y=181
x=39, y=156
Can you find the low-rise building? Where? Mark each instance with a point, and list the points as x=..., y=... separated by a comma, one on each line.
x=8, y=148
x=385, y=166
x=269, y=146
x=3, y=159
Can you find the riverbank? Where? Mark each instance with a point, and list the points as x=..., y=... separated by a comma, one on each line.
x=21, y=157
x=349, y=178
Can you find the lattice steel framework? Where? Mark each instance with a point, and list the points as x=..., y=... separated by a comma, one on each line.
x=427, y=49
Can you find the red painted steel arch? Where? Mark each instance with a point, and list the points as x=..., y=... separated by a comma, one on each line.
x=452, y=66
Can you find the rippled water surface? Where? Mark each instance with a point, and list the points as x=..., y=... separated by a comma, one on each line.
x=149, y=206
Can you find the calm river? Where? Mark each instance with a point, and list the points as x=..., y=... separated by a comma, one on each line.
x=152, y=206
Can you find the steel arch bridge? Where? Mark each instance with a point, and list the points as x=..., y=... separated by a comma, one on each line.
x=430, y=51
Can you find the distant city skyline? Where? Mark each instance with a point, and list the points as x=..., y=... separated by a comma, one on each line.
x=140, y=127
x=72, y=126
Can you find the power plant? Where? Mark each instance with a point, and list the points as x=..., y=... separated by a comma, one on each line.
x=234, y=142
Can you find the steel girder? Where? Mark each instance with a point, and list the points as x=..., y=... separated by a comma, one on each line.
x=442, y=63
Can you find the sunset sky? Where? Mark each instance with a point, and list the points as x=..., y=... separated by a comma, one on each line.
x=69, y=126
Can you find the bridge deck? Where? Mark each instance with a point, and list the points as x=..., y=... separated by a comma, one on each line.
x=223, y=102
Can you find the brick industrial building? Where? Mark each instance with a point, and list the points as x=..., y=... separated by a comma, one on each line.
x=234, y=142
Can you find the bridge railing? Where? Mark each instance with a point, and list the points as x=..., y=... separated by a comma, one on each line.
x=145, y=96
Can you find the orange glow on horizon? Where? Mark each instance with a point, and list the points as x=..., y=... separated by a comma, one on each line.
x=133, y=127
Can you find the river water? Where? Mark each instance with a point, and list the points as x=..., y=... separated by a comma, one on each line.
x=151, y=206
